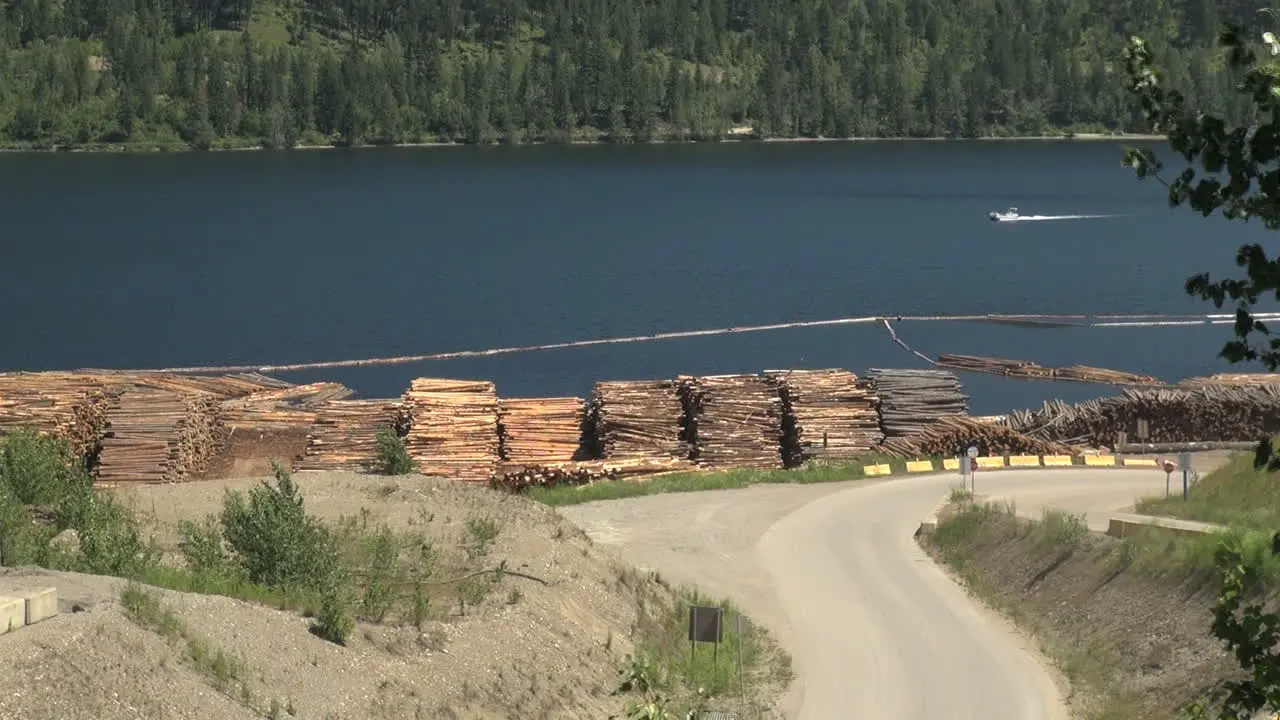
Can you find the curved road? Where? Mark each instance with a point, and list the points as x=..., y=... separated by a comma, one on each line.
x=875, y=628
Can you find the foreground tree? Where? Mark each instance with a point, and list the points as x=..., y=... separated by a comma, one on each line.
x=1234, y=170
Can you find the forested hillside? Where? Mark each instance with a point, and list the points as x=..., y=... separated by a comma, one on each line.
x=283, y=72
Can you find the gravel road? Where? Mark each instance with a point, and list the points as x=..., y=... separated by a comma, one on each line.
x=876, y=629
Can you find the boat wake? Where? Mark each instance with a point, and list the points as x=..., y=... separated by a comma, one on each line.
x=1014, y=216
x=1037, y=218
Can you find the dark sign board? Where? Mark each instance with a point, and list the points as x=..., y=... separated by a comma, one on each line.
x=706, y=624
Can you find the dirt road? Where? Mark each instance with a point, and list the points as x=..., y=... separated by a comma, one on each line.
x=876, y=629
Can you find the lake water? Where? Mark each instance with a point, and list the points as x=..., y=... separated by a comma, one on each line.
x=146, y=261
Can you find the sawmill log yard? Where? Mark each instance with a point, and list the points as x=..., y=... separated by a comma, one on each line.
x=186, y=546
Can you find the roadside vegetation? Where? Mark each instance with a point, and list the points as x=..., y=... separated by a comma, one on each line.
x=694, y=481
x=1237, y=494
x=1156, y=625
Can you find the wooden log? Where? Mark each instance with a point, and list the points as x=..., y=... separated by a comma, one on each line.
x=829, y=414
x=911, y=400
x=732, y=421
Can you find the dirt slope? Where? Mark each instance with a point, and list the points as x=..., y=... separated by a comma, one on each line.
x=528, y=650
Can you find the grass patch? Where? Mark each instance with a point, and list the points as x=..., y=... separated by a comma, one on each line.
x=672, y=680
x=1236, y=494
x=718, y=480
x=224, y=671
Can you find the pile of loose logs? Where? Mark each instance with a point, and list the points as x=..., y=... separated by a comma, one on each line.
x=637, y=419
x=1209, y=413
x=516, y=477
x=828, y=414
x=154, y=435
x=911, y=400
x=951, y=436
x=540, y=431
x=1029, y=370
x=733, y=421
x=344, y=436
x=453, y=428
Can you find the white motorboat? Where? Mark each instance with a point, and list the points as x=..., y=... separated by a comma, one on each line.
x=1012, y=214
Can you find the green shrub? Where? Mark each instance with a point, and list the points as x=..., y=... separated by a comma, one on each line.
x=333, y=623
x=392, y=454
x=204, y=549
x=274, y=539
x=39, y=469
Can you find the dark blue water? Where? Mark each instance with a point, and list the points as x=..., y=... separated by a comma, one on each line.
x=173, y=260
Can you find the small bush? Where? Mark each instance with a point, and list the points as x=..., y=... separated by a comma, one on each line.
x=392, y=455
x=204, y=549
x=333, y=623
x=39, y=469
x=481, y=531
x=274, y=539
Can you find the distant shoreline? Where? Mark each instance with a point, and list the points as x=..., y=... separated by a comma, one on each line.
x=733, y=138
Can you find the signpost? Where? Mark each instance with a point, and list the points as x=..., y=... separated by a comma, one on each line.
x=973, y=468
x=1168, y=473
x=1184, y=464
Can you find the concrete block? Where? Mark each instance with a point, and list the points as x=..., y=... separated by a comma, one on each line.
x=1138, y=462
x=1024, y=461
x=991, y=462
x=1057, y=460
x=1099, y=460
x=876, y=470
x=919, y=466
x=951, y=464
x=41, y=604
x=13, y=613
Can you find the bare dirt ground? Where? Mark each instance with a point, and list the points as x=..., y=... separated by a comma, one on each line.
x=528, y=650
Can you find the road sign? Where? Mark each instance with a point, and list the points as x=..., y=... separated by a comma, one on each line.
x=1184, y=461
x=1143, y=431
x=973, y=451
x=1168, y=467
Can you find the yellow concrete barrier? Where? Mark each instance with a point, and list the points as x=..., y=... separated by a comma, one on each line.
x=950, y=464
x=1057, y=460
x=919, y=466
x=1099, y=460
x=990, y=462
x=1138, y=462
x=1024, y=461
x=872, y=470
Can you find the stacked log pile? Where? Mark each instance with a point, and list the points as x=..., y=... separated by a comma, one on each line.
x=453, y=428
x=733, y=421
x=540, y=431
x=911, y=400
x=516, y=478
x=74, y=405
x=345, y=434
x=155, y=435
x=1030, y=370
x=1231, y=379
x=69, y=405
x=638, y=420
x=286, y=409
x=1213, y=413
x=950, y=436
x=826, y=414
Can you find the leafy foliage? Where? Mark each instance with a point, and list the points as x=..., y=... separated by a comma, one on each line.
x=392, y=454
x=1231, y=169
x=45, y=490
x=274, y=539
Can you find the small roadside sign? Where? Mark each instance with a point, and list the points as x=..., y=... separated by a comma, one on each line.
x=973, y=451
x=1184, y=461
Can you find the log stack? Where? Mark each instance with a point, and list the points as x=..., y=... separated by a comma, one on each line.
x=72, y=406
x=949, y=436
x=1212, y=413
x=453, y=428
x=540, y=431
x=154, y=435
x=911, y=400
x=515, y=478
x=1231, y=379
x=1026, y=369
x=286, y=409
x=345, y=433
x=732, y=421
x=831, y=414
x=638, y=420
